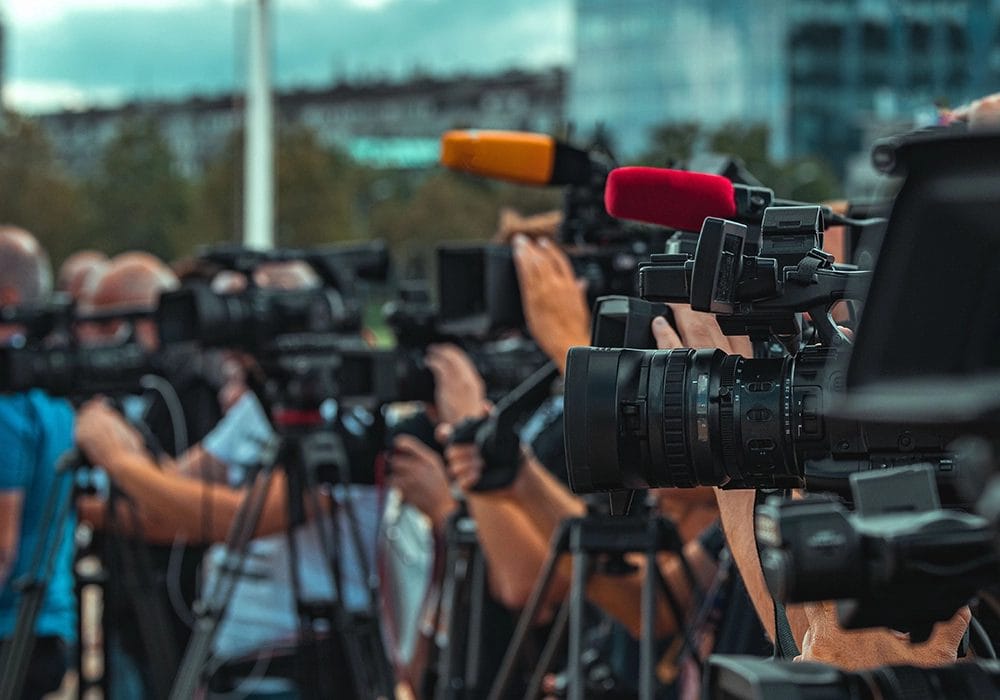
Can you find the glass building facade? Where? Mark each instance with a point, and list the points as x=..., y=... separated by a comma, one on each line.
x=641, y=63
x=822, y=74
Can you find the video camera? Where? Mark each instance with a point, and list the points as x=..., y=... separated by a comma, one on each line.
x=650, y=418
x=504, y=361
x=899, y=560
x=306, y=340
x=46, y=355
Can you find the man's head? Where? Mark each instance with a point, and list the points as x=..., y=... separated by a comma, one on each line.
x=132, y=281
x=25, y=272
x=78, y=269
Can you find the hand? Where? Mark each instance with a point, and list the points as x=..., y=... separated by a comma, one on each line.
x=555, y=303
x=825, y=641
x=697, y=330
x=460, y=392
x=419, y=473
x=103, y=434
x=983, y=113
x=465, y=465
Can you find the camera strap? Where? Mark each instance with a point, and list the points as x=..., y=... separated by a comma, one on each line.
x=784, y=641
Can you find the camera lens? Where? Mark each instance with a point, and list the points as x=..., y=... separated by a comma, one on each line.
x=654, y=418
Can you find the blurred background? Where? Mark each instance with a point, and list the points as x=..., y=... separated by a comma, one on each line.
x=122, y=122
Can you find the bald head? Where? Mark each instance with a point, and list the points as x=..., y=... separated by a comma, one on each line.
x=132, y=280
x=25, y=272
x=79, y=270
x=292, y=274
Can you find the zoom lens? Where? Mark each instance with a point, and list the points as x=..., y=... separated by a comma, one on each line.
x=653, y=418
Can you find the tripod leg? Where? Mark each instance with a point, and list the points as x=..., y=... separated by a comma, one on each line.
x=577, y=597
x=17, y=653
x=647, y=651
x=210, y=613
x=678, y=613
x=474, y=630
x=510, y=658
x=556, y=637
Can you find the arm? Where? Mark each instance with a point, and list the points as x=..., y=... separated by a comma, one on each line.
x=814, y=625
x=172, y=503
x=11, y=503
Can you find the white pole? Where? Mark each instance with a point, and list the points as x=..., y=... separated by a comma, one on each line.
x=258, y=144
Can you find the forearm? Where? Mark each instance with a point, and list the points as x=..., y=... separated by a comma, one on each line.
x=11, y=504
x=620, y=596
x=192, y=508
x=544, y=499
x=736, y=508
x=514, y=548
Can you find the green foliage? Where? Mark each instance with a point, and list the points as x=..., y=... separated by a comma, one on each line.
x=670, y=144
x=445, y=206
x=35, y=193
x=809, y=179
x=138, y=197
x=316, y=188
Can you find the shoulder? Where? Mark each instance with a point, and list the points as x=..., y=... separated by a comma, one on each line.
x=52, y=412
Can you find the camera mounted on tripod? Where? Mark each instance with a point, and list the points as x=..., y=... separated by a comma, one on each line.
x=46, y=354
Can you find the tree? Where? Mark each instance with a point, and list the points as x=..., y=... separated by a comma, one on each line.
x=36, y=193
x=139, y=199
x=317, y=189
x=670, y=144
x=809, y=178
x=447, y=206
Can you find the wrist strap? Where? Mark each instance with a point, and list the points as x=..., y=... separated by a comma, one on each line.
x=784, y=641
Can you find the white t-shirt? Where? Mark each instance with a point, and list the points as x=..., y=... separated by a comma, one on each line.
x=261, y=611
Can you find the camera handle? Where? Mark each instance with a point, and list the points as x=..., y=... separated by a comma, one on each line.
x=495, y=435
x=582, y=538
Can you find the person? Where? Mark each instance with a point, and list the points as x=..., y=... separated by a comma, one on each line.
x=76, y=272
x=813, y=625
x=35, y=431
x=531, y=508
x=192, y=500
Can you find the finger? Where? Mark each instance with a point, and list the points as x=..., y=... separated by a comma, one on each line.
x=665, y=335
x=443, y=433
x=697, y=329
x=438, y=367
x=416, y=447
x=527, y=260
x=461, y=453
x=457, y=358
x=948, y=635
x=556, y=258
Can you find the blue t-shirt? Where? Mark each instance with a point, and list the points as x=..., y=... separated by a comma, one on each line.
x=35, y=431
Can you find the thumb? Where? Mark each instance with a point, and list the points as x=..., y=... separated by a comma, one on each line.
x=443, y=433
x=664, y=334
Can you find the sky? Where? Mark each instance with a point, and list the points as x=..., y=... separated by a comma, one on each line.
x=74, y=53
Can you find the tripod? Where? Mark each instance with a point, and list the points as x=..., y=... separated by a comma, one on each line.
x=584, y=538
x=306, y=447
x=17, y=653
x=460, y=655
x=58, y=511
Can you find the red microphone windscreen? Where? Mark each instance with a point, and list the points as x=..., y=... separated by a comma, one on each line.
x=674, y=198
